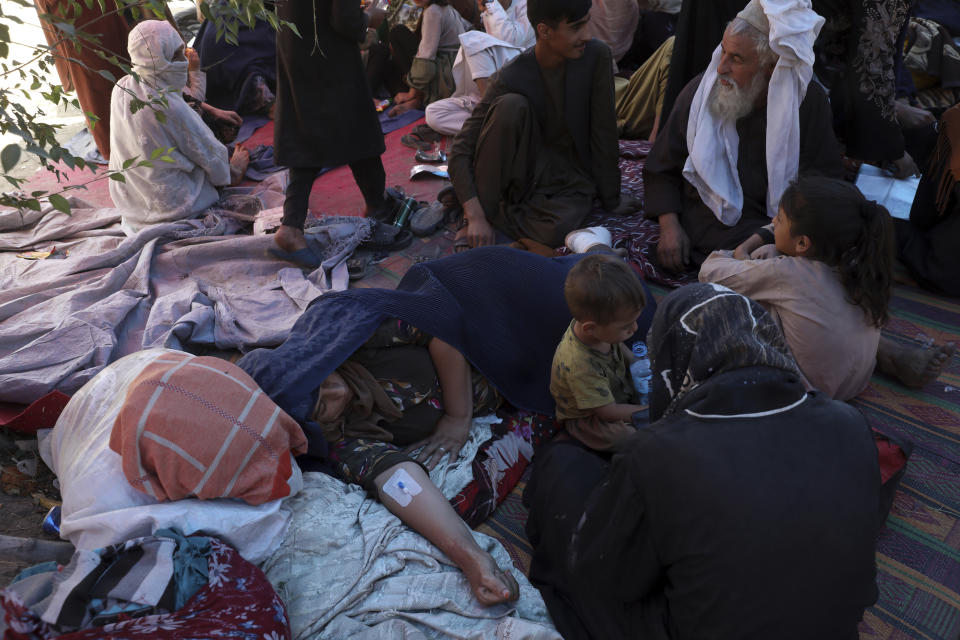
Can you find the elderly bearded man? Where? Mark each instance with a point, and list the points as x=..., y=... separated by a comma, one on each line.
x=738, y=134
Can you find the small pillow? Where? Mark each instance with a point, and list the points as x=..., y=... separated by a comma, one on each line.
x=201, y=427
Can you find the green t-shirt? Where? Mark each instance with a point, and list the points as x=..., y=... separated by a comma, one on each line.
x=583, y=379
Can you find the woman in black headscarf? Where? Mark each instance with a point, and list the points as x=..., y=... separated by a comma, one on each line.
x=747, y=508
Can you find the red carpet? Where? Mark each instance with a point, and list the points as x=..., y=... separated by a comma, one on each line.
x=334, y=193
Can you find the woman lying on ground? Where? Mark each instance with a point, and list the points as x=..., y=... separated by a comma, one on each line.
x=404, y=388
x=748, y=508
x=827, y=281
x=165, y=191
x=363, y=382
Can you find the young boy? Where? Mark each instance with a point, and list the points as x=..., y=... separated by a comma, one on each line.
x=590, y=379
x=541, y=145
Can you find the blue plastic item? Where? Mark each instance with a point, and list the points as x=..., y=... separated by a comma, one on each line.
x=640, y=371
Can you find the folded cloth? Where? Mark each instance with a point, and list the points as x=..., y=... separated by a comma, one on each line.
x=389, y=124
x=152, y=574
x=262, y=163
x=242, y=449
x=234, y=600
x=249, y=127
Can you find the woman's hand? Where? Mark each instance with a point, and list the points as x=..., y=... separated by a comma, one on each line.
x=447, y=440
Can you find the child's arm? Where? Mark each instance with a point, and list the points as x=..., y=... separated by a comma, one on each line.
x=764, y=235
x=757, y=279
x=614, y=412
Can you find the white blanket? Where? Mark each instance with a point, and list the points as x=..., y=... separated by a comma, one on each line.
x=348, y=568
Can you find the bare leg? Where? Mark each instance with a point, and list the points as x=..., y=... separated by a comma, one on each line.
x=429, y=514
x=913, y=365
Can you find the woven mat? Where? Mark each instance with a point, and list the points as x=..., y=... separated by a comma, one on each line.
x=918, y=554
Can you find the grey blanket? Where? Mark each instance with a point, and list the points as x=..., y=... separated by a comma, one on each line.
x=175, y=285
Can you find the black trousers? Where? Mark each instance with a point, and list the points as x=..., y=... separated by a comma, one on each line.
x=367, y=173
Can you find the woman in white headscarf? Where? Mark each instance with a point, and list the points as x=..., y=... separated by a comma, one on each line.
x=166, y=190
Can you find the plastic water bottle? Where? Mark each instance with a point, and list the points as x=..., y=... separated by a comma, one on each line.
x=640, y=371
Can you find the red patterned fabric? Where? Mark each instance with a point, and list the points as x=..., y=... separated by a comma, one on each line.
x=200, y=426
x=237, y=602
x=635, y=233
x=500, y=462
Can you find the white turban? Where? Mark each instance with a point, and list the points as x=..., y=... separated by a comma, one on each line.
x=792, y=27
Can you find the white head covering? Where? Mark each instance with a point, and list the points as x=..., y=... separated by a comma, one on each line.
x=186, y=184
x=792, y=27
x=151, y=45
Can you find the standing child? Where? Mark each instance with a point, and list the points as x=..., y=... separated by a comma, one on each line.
x=827, y=282
x=590, y=379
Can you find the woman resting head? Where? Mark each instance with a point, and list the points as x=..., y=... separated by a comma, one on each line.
x=164, y=191
x=404, y=388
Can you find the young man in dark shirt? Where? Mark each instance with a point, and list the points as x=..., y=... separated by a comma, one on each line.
x=541, y=145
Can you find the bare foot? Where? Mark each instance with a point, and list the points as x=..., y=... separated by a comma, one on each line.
x=915, y=366
x=290, y=239
x=403, y=107
x=491, y=585
x=239, y=162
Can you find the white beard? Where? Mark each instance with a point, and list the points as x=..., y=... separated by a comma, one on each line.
x=730, y=103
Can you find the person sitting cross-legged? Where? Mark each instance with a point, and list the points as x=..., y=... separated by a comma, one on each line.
x=541, y=144
x=738, y=134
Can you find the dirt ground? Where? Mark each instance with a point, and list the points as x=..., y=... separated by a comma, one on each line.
x=24, y=501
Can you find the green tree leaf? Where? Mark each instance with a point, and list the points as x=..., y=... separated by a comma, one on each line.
x=9, y=157
x=60, y=203
x=118, y=177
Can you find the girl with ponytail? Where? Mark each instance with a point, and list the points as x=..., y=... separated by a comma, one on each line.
x=826, y=279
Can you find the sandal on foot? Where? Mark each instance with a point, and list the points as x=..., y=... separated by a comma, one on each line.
x=415, y=142
x=425, y=133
